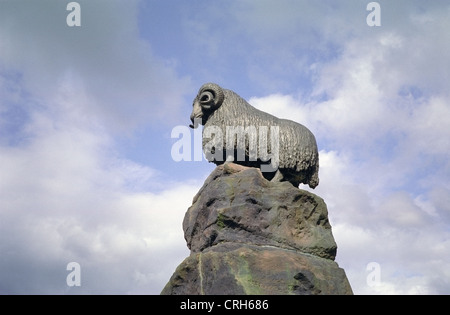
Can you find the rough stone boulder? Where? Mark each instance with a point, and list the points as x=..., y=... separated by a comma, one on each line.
x=248, y=235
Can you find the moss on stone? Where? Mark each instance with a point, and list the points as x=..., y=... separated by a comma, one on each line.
x=220, y=220
x=244, y=277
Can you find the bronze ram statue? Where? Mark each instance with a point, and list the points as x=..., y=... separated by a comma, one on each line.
x=292, y=148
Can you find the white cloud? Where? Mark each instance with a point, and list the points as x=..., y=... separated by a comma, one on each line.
x=67, y=195
x=106, y=56
x=65, y=198
x=382, y=129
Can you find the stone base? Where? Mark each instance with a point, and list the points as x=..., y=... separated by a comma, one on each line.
x=248, y=235
x=248, y=269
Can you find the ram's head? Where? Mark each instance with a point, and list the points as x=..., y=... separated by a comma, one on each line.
x=209, y=98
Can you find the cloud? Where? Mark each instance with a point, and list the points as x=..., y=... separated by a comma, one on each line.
x=116, y=68
x=382, y=130
x=280, y=46
x=405, y=234
x=65, y=196
x=66, y=192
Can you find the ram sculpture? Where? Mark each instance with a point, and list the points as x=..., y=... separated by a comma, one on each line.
x=233, y=130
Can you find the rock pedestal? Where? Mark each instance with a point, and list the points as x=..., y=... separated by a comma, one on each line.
x=248, y=235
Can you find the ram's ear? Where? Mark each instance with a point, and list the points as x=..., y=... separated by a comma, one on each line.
x=210, y=96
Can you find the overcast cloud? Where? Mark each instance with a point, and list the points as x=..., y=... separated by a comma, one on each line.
x=86, y=114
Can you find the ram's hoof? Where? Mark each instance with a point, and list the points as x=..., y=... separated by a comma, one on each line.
x=278, y=177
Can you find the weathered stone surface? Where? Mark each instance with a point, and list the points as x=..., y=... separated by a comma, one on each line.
x=237, y=204
x=248, y=269
x=248, y=235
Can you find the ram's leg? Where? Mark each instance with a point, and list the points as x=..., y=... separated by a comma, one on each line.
x=278, y=177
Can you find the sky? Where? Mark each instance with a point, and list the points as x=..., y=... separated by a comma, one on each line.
x=87, y=114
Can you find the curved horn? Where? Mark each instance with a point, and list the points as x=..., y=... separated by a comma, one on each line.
x=211, y=95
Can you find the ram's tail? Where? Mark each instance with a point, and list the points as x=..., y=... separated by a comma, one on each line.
x=314, y=179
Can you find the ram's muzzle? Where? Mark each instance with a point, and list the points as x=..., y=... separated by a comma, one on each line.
x=196, y=115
